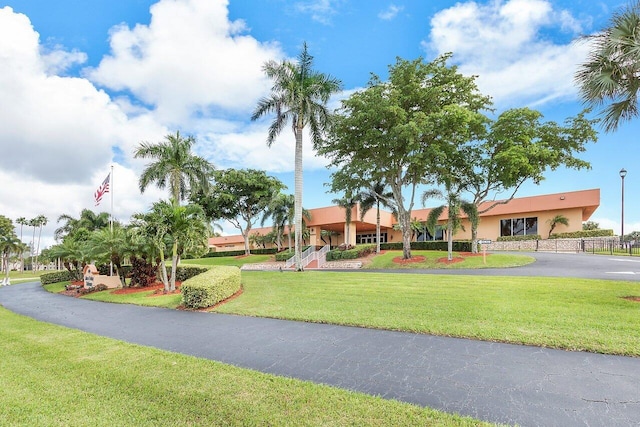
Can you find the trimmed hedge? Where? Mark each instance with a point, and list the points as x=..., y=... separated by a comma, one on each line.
x=286, y=254
x=57, y=276
x=268, y=251
x=210, y=287
x=357, y=252
x=519, y=238
x=582, y=234
x=431, y=245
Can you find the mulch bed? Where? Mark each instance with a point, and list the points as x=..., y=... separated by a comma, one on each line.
x=632, y=298
x=444, y=260
x=157, y=287
x=399, y=260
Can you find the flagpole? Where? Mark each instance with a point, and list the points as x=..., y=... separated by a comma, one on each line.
x=111, y=216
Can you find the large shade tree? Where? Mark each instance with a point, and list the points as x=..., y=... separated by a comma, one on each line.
x=298, y=98
x=397, y=132
x=610, y=77
x=173, y=164
x=240, y=196
x=518, y=147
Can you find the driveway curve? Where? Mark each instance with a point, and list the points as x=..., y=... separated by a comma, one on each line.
x=580, y=265
x=496, y=382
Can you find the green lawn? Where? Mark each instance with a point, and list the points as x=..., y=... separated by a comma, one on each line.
x=55, y=376
x=235, y=261
x=26, y=276
x=573, y=314
x=385, y=260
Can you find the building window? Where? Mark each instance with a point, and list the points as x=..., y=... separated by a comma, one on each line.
x=370, y=238
x=424, y=235
x=518, y=226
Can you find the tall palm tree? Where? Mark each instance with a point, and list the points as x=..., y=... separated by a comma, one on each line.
x=22, y=221
x=299, y=95
x=612, y=71
x=41, y=220
x=558, y=219
x=376, y=195
x=454, y=204
x=348, y=202
x=173, y=163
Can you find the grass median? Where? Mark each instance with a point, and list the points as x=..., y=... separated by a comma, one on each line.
x=572, y=314
x=57, y=376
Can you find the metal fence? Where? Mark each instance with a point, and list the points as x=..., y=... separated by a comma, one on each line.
x=611, y=246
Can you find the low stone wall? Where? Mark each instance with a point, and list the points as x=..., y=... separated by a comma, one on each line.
x=549, y=245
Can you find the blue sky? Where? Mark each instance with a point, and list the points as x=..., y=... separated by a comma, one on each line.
x=84, y=82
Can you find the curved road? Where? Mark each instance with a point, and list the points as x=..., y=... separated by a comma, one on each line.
x=495, y=382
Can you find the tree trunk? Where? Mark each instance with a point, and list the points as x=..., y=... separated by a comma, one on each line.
x=474, y=239
x=163, y=271
x=298, y=199
x=378, y=227
x=404, y=218
x=449, y=241
x=174, y=267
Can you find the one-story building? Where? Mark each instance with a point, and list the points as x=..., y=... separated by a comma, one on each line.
x=520, y=216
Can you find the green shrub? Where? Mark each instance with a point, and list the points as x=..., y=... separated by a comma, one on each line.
x=268, y=251
x=286, y=254
x=210, y=287
x=57, y=276
x=519, y=238
x=582, y=234
x=357, y=252
x=431, y=245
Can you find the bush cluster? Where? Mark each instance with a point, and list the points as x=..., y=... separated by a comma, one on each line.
x=210, y=287
x=286, y=254
x=57, y=276
x=238, y=253
x=519, y=238
x=431, y=245
x=582, y=234
x=357, y=252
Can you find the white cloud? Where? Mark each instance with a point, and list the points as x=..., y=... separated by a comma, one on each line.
x=502, y=42
x=57, y=133
x=390, y=13
x=320, y=10
x=188, y=62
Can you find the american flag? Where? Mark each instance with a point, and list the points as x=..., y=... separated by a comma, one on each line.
x=102, y=190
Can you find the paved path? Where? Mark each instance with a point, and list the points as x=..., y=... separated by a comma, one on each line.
x=582, y=265
x=495, y=382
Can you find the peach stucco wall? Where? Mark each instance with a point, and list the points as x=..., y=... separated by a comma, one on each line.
x=577, y=206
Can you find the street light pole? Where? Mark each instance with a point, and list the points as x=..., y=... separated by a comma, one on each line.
x=623, y=173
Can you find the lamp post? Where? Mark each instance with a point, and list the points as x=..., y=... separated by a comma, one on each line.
x=623, y=173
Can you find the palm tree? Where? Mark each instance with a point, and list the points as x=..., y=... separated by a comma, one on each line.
x=110, y=245
x=454, y=204
x=9, y=244
x=348, y=202
x=299, y=95
x=281, y=211
x=22, y=221
x=88, y=220
x=375, y=196
x=182, y=227
x=174, y=163
x=612, y=71
x=41, y=220
x=558, y=219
